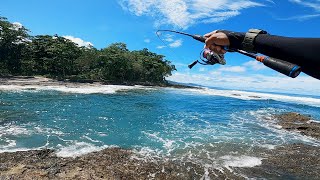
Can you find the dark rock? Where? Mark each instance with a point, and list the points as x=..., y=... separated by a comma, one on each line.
x=296, y=161
x=257, y=97
x=112, y=163
x=299, y=123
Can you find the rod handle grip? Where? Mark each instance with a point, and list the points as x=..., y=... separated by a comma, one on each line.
x=284, y=67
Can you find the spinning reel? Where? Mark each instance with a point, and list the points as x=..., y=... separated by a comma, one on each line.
x=209, y=57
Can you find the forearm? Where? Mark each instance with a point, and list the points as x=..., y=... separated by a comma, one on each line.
x=300, y=51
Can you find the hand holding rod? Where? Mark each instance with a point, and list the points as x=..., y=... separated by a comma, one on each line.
x=279, y=65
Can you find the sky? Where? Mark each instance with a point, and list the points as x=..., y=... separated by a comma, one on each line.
x=135, y=22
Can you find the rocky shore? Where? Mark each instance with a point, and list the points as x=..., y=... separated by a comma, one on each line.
x=299, y=123
x=43, y=81
x=293, y=161
x=106, y=164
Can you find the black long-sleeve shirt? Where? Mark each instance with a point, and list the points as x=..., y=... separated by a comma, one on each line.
x=304, y=52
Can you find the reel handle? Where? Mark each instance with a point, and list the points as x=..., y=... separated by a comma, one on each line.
x=193, y=64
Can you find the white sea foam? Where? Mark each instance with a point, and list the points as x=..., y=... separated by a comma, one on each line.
x=17, y=149
x=241, y=161
x=264, y=118
x=268, y=146
x=244, y=95
x=10, y=145
x=14, y=130
x=146, y=154
x=90, y=139
x=79, y=148
x=79, y=89
x=167, y=143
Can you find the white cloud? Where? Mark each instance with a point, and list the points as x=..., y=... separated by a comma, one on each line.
x=184, y=13
x=176, y=43
x=79, y=41
x=315, y=4
x=270, y=1
x=16, y=26
x=168, y=37
x=301, y=17
x=280, y=83
x=169, y=41
x=255, y=65
x=215, y=73
x=147, y=40
x=161, y=47
x=237, y=69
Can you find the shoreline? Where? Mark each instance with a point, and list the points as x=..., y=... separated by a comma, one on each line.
x=286, y=161
x=44, y=81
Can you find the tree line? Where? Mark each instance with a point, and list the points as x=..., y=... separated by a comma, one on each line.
x=60, y=58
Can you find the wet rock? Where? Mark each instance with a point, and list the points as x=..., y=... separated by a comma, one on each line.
x=296, y=161
x=299, y=123
x=112, y=163
x=256, y=97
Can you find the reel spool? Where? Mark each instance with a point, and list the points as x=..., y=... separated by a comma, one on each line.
x=209, y=57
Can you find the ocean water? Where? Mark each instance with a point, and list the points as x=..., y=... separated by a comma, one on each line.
x=211, y=127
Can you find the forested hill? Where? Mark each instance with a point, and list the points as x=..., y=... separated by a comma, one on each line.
x=60, y=58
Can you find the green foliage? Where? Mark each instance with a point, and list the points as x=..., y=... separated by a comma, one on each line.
x=13, y=41
x=58, y=57
x=54, y=55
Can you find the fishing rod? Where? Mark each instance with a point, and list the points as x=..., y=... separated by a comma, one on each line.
x=209, y=57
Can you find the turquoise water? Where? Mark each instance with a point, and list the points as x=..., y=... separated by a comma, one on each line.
x=208, y=126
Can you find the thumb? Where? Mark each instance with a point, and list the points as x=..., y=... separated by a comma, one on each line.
x=211, y=40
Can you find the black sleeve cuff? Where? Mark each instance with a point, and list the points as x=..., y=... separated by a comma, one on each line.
x=235, y=38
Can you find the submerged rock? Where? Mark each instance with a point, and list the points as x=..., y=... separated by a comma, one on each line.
x=296, y=161
x=299, y=123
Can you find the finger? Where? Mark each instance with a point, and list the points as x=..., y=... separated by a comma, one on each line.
x=218, y=48
x=215, y=50
x=212, y=47
x=211, y=40
x=209, y=34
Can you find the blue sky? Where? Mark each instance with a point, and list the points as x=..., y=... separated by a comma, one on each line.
x=102, y=22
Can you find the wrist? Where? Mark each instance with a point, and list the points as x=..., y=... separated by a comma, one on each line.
x=235, y=38
x=248, y=42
